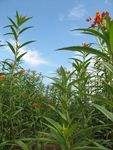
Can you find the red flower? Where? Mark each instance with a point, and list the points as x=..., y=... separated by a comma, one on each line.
x=2, y=77
x=93, y=25
x=35, y=105
x=85, y=44
x=88, y=19
x=98, y=18
x=103, y=14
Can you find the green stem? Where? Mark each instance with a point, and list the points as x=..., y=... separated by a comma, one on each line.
x=11, y=90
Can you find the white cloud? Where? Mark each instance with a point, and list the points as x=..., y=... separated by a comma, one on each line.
x=77, y=12
x=33, y=57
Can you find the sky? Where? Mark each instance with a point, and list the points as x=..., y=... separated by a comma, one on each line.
x=52, y=23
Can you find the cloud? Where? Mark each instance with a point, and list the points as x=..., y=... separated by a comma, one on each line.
x=33, y=57
x=77, y=12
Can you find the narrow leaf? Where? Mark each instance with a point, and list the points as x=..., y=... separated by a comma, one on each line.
x=111, y=36
x=8, y=33
x=21, y=56
x=13, y=23
x=107, y=113
x=14, y=33
x=86, y=49
x=21, y=144
x=24, y=29
x=26, y=43
x=11, y=47
x=93, y=32
x=108, y=66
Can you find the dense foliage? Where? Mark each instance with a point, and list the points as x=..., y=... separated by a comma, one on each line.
x=75, y=111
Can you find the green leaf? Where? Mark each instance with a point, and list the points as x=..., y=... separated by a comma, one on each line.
x=21, y=144
x=27, y=18
x=13, y=23
x=70, y=75
x=88, y=148
x=54, y=123
x=59, y=86
x=1, y=45
x=11, y=47
x=4, y=143
x=8, y=33
x=8, y=26
x=111, y=36
x=63, y=74
x=86, y=49
x=7, y=63
x=19, y=57
x=101, y=147
x=109, y=88
x=24, y=29
x=110, y=103
x=57, y=111
x=74, y=81
x=17, y=18
x=23, y=19
x=55, y=134
x=26, y=43
x=108, y=23
x=14, y=33
x=93, y=32
x=17, y=112
x=107, y=113
x=108, y=66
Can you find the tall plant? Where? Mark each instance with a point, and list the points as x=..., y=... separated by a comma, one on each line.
x=12, y=71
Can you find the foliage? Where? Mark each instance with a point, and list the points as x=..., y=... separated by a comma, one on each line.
x=75, y=111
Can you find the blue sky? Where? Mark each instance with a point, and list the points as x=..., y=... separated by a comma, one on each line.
x=52, y=21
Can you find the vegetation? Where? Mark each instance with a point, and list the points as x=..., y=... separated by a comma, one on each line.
x=75, y=111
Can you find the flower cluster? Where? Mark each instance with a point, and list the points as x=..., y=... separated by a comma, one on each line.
x=2, y=77
x=36, y=105
x=99, y=19
x=85, y=44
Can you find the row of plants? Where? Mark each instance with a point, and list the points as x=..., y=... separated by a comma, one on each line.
x=74, y=111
